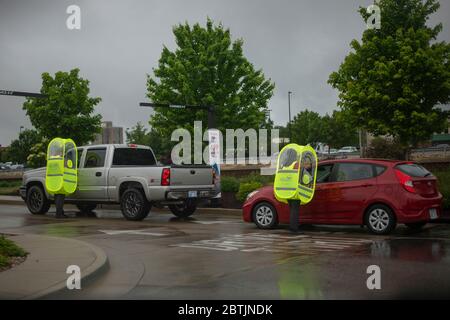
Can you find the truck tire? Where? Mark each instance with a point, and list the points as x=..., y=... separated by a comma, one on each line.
x=86, y=209
x=183, y=210
x=36, y=200
x=134, y=205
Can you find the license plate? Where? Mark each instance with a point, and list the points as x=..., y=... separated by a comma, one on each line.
x=433, y=214
x=192, y=194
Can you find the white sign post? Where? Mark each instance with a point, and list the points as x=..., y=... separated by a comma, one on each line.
x=214, y=156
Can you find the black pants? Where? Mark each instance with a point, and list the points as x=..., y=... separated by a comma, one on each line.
x=59, y=202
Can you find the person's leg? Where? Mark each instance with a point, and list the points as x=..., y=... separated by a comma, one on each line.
x=59, y=203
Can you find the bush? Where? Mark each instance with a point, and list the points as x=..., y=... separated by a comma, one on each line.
x=245, y=188
x=385, y=149
x=9, y=249
x=264, y=180
x=229, y=184
x=444, y=187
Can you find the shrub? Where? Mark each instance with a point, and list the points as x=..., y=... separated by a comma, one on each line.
x=264, y=180
x=3, y=261
x=444, y=187
x=246, y=187
x=385, y=149
x=10, y=249
x=229, y=184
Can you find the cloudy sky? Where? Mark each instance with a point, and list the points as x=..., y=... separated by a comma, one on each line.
x=297, y=43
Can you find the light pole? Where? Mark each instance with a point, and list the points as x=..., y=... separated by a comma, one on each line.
x=289, y=123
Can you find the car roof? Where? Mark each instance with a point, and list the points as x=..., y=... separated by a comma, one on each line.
x=365, y=160
x=123, y=145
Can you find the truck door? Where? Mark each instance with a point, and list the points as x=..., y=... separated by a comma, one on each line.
x=92, y=175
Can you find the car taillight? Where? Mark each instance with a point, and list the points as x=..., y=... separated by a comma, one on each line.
x=165, y=177
x=213, y=177
x=405, y=181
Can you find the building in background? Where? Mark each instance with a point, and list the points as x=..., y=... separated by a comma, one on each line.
x=109, y=134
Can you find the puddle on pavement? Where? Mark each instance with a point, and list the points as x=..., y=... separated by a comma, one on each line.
x=407, y=249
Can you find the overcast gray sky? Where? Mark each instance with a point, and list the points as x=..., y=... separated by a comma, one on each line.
x=297, y=43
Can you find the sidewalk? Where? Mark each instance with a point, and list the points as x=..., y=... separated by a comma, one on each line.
x=43, y=273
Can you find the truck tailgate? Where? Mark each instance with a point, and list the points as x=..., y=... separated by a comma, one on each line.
x=191, y=175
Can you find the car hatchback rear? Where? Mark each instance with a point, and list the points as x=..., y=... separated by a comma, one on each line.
x=419, y=199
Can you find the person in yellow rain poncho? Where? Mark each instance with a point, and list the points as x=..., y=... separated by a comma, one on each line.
x=295, y=178
x=61, y=176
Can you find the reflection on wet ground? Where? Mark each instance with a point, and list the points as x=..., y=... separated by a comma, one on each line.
x=218, y=256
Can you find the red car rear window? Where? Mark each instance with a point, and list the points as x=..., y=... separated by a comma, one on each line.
x=413, y=170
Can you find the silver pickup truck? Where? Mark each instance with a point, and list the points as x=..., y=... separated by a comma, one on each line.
x=128, y=175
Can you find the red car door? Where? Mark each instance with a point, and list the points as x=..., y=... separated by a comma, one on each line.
x=354, y=184
x=319, y=204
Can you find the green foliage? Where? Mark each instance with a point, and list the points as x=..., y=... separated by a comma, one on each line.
x=444, y=187
x=309, y=127
x=10, y=183
x=245, y=188
x=229, y=184
x=67, y=111
x=3, y=261
x=207, y=68
x=20, y=148
x=396, y=77
x=138, y=135
x=385, y=149
x=38, y=152
x=254, y=177
x=9, y=249
x=141, y=135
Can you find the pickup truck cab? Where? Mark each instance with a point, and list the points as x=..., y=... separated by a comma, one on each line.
x=128, y=175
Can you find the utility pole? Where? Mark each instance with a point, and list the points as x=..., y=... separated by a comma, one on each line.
x=289, y=123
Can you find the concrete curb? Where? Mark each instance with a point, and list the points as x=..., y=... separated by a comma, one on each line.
x=38, y=290
x=96, y=269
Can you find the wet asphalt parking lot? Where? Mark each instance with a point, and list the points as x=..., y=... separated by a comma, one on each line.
x=217, y=256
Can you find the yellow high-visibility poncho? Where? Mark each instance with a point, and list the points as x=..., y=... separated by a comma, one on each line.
x=295, y=178
x=62, y=162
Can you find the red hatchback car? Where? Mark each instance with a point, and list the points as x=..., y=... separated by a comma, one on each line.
x=371, y=192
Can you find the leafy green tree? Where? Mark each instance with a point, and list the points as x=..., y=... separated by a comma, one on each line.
x=20, y=148
x=208, y=68
x=138, y=135
x=396, y=77
x=339, y=131
x=38, y=152
x=141, y=135
x=308, y=128
x=67, y=111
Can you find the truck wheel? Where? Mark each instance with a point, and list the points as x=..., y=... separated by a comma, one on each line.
x=183, y=210
x=86, y=209
x=36, y=200
x=134, y=205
